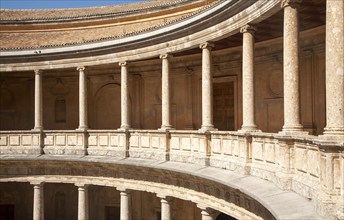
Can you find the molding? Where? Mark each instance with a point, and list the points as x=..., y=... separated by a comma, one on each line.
x=141, y=46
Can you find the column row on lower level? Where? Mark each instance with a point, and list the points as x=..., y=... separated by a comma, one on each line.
x=125, y=204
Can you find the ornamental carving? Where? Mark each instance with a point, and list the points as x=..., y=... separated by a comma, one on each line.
x=207, y=45
x=248, y=29
x=80, y=68
x=166, y=56
x=291, y=3
x=123, y=63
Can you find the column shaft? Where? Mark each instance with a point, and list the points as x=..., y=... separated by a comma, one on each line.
x=82, y=203
x=38, y=202
x=166, y=212
x=124, y=96
x=334, y=68
x=82, y=99
x=291, y=67
x=248, y=78
x=207, y=87
x=38, y=101
x=165, y=93
x=125, y=205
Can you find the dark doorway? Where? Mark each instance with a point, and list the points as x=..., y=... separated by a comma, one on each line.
x=225, y=217
x=223, y=106
x=7, y=212
x=112, y=213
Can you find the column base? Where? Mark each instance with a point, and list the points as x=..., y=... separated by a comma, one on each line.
x=124, y=128
x=332, y=137
x=166, y=128
x=37, y=129
x=334, y=132
x=205, y=128
x=245, y=129
x=83, y=129
x=296, y=130
x=293, y=133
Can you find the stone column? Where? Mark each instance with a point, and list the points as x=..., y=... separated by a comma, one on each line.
x=165, y=93
x=38, y=201
x=82, y=202
x=291, y=67
x=166, y=211
x=82, y=99
x=334, y=69
x=124, y=96
x=38, y=101
x=207, y=213
x=125, y=205
x=249, y=123
x=207, y=87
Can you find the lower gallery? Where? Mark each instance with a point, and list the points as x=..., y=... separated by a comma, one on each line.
x=173, y=110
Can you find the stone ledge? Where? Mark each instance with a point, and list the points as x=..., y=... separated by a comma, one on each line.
x=282, y=204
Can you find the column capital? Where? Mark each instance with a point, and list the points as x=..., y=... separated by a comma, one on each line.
x=207, y=45
x=38, y=71
x=248, y=28
x=291, y=3
x=81, y=185
x=123, y=63
x=80, y=68
x=37, y=183
x=164, y=197
x=166, y=56
x=205, y=209
x=122, y=189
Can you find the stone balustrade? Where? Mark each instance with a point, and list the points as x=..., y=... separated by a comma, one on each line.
x=107, y=143
x=149, y=144
x=305, y=165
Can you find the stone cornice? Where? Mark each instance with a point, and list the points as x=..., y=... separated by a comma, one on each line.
x=252, y=14
x=222, y=190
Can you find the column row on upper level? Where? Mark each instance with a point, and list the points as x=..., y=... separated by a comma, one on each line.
x=211, y=109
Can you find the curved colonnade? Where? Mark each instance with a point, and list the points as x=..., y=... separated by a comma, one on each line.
x=240, y=173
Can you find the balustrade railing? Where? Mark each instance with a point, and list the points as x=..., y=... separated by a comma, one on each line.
x=306, y=165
